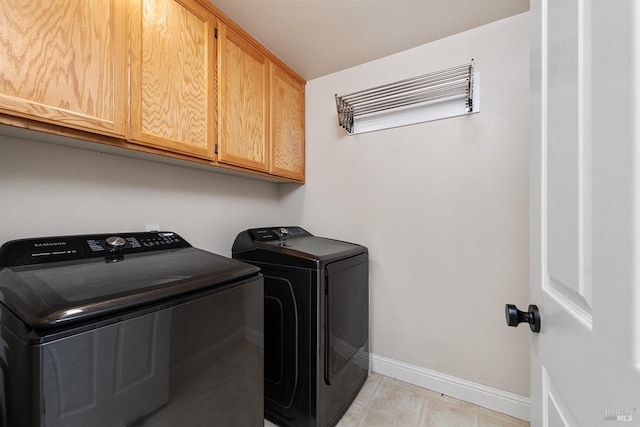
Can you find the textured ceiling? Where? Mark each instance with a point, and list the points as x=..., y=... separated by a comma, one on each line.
x=319, y=37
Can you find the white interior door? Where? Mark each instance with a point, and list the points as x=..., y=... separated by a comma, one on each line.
x=585, y=212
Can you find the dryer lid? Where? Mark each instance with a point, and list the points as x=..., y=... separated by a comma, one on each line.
x=319, y=248
x=292, y=246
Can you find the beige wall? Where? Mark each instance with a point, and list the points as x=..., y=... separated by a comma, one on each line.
x=442, y=206
x=47, y=189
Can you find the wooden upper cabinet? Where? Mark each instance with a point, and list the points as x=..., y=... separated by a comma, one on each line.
x=64, y=62
x=172, y=60
x=243, y=78
x=151, y=73
x=287, y=125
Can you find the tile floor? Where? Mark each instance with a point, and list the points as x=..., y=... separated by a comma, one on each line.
x=387, y=402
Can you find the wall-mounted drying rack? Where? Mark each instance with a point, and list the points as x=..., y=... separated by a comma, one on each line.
x=446, y=93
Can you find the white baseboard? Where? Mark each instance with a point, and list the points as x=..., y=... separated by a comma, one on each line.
x=495, y=399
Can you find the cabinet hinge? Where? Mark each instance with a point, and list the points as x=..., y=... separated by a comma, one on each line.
x=215, y=32
x=215, y=149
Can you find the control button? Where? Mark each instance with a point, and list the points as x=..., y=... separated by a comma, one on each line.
x=133, y=242
x=115, y=242
x=95, y=245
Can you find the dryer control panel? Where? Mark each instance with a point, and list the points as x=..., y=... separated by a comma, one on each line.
x=277, y=233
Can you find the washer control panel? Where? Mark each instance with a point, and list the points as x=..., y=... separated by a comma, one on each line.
x=64, y=248
x=145, y=241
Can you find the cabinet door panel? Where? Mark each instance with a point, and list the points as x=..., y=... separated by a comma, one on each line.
x=64, y=62
x=287, y=125
x=243, y=102
x=172, y=76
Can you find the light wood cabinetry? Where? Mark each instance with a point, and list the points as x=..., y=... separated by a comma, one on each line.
x=287, y=124
x=150, y=76
x=243, y=102
x=261, y=109
x=173, y=76
x=64, y=62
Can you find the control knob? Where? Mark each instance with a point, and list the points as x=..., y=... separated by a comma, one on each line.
x=282, y=234
x=115, y=242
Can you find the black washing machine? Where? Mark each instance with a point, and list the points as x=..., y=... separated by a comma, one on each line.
x=131, y=329
x=316, y=324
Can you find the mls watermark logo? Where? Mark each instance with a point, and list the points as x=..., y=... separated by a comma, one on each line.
x=619, y=414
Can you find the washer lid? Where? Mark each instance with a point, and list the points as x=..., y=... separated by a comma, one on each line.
x=53, y=294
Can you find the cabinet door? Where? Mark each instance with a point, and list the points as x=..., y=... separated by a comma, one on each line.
x=172, y=55
x=242, y=102
x=287, y=125
x=64, y=62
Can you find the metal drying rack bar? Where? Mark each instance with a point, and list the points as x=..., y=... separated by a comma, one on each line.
x=441, y=85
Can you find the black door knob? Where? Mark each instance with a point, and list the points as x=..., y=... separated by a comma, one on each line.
x=514, y=316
